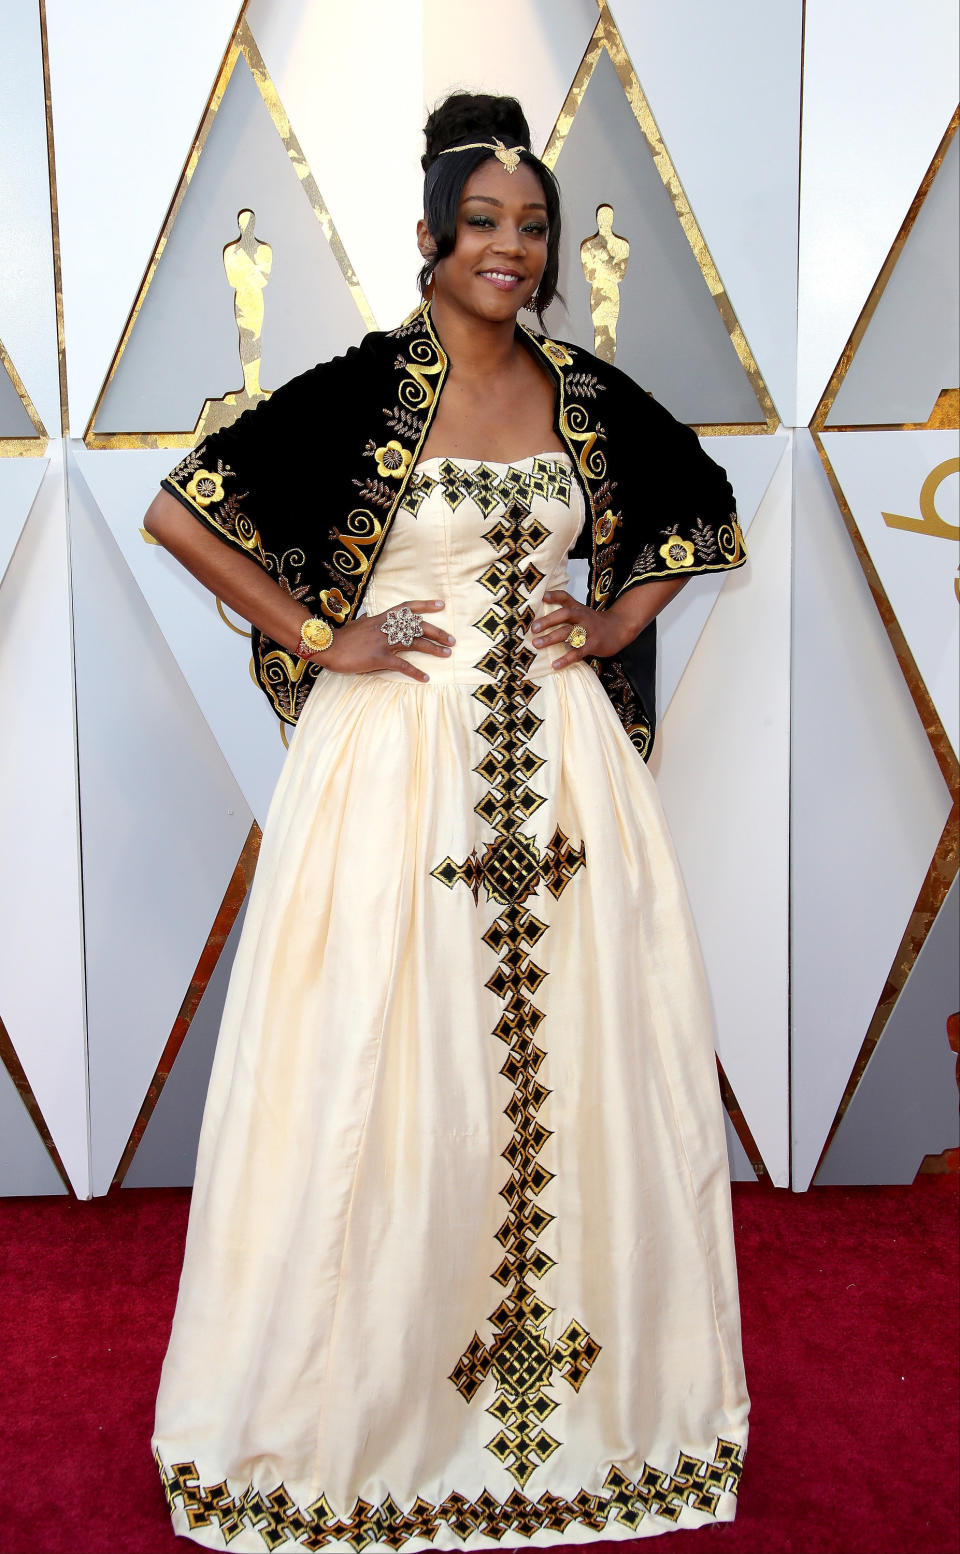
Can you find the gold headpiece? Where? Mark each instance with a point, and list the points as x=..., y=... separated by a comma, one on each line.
x=508, y=155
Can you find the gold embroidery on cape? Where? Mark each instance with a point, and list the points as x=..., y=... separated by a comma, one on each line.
x=708, y=549
x=424, y=370
x=280, y=1522
x=511, y=869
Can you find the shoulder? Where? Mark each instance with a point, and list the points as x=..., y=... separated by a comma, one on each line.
x=588, y=375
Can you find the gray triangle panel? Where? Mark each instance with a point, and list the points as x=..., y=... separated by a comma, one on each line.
x=905, y=1106
x=14, y=421
x=911, y=347
x=168, y=1150
x=26, y=1169
x=183, y=348
x=670, y=336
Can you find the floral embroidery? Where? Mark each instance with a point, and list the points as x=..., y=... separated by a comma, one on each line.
x=393, y=460
x=376, y=491
x=605, y=527
x=677, y=553
x=334, y=604
x=205, y=488
x=584, y=385
x=557, y=353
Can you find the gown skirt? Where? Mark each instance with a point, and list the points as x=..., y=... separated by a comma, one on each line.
x=459, y=1269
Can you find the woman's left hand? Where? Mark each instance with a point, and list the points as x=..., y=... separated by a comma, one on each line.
x=606, y=634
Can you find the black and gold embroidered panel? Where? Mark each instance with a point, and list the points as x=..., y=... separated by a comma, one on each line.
x=550, y=479
x=511, y=869
x=706, y=548
x=657, y=505
x=276, y=1518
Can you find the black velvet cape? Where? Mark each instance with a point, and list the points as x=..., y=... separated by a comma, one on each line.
x=307, y=483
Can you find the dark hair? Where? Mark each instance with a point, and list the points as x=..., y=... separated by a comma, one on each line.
x=460, y=118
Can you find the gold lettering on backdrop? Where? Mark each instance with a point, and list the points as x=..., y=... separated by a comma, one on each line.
x=930, y=521
x=604, y=258
x=247, y=262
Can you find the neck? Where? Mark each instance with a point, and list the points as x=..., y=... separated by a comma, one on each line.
x=477, y=347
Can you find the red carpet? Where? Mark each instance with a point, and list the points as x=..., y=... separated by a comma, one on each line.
x=850, y=1332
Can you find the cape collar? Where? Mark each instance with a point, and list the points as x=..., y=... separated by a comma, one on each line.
x=424, y=367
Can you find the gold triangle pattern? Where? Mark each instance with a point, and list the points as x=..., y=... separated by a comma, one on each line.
x=233, y=899
x=22, y=447
x=944, y=864
x=740, y=1126
x=242, y=44
x=606, y=37
x=13, y=1066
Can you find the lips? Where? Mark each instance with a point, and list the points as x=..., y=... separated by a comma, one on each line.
x=504, y=280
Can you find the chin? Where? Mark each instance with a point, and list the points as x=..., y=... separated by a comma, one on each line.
x=502, y=304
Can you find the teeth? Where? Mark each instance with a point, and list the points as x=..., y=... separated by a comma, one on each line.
x=501, y=275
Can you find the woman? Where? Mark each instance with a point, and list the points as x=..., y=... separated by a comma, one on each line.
x=459, y=1267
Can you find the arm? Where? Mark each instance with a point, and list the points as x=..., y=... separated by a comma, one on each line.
x=239, y=581
x=607, y=633
x=243, y=585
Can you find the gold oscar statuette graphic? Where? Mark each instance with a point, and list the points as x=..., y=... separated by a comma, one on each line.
x=247, y=262
x=604, y=258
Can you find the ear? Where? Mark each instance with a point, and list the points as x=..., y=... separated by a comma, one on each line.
x=425, y=243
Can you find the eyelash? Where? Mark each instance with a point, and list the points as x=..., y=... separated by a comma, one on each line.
x=538, y=228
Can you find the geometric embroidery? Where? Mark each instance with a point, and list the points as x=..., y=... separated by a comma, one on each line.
x=511, y=870
x=280, y=1522
x=488, y=489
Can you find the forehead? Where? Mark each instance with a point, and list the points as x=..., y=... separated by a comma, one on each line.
x=515, y=191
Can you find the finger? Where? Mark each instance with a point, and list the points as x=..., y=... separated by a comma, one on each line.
x=573, y=657
x=437, y=634
x=548, y=639
x=427, y=644
x=410, y=669
x=552, y=628
x=558, y=596
x=551, y=622
x=419, y=607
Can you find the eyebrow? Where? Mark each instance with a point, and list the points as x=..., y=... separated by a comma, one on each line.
x=488, y=199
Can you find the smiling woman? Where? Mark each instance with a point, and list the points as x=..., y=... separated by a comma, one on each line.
x=449, y=207
x=459, y=1268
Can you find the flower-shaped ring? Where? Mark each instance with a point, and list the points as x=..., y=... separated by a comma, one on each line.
x=577, y=636
x=402, y=626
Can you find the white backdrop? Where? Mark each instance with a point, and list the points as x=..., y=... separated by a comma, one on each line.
x=137, y=754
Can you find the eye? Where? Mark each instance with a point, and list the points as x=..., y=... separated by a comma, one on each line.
x=479, y=221
x=538, y=228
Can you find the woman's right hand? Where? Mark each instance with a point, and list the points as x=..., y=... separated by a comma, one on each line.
x=361, y=647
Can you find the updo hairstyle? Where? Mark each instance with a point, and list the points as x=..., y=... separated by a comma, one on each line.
x=460, y=118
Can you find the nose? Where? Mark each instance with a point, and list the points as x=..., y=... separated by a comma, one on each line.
x=509, y=240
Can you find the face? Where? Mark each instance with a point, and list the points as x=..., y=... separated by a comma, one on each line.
x=501, y=246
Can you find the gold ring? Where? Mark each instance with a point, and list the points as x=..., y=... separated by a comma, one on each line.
x=576, y=636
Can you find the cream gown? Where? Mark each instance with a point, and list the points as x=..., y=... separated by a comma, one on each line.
x=459, y=1269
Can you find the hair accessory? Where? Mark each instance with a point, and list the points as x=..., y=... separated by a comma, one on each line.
x=402, y=626
x=508, y=155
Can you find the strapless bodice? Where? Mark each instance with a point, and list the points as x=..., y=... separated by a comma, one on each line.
x=461, y=537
